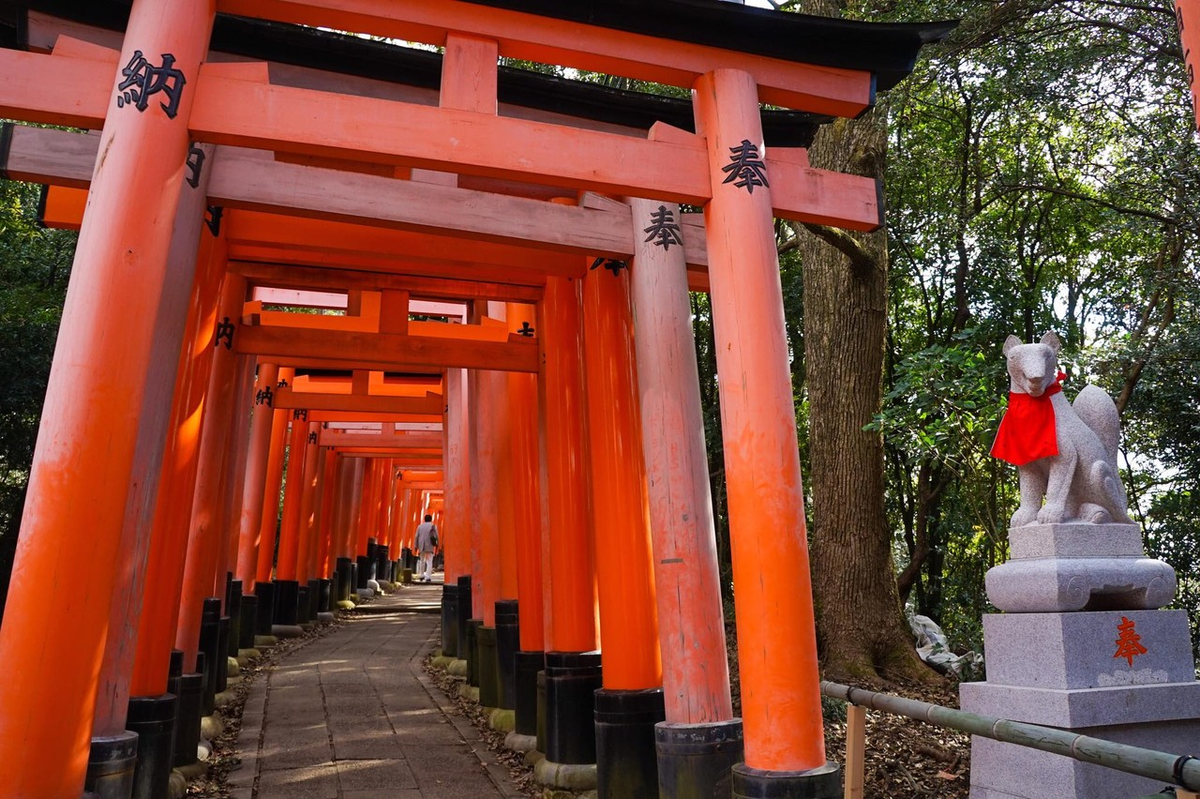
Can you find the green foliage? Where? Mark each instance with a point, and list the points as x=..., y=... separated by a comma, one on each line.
x=34, y=267
x=1042, y=175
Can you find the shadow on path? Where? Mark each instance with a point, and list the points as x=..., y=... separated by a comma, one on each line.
x=352, y=715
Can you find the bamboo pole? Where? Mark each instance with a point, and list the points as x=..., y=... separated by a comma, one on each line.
x=1182, y=770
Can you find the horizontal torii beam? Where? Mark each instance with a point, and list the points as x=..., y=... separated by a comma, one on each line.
x=807, y=87
x=236, y=105
x=264, y=229
x=384, y=351
x=356, y=406
x=333, y=417
x=317, y=278
x=399, y=461
x=65, y=159
x=407, y=440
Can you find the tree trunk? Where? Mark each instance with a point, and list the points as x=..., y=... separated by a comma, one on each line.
x=861, y=631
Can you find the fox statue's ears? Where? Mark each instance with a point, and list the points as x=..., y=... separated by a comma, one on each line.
x=1049, y=339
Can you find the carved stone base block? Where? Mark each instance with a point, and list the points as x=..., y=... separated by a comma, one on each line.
x=1066, y=567
x=1086, y=672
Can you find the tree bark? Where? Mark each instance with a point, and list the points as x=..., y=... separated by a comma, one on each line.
x=861, y=631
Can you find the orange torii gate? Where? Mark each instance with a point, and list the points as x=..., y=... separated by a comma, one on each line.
x=520, y=200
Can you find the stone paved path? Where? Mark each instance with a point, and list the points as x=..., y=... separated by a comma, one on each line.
x=352, y=715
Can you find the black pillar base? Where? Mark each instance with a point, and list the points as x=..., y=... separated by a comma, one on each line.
x=473, y=626
x=314, y=599
x=409, y=559
x=345, y=579
x=527, y=665
x=508, y=641
x=818, y=783
x=153, y=719
x=324, y=595
x=187, y=719
x=450, y=620
x=464, y=615
x=626, y=760
x=695, y=760
x=302, y=604
x=210, y=645
x=249, y=622
x=110, y=765
x=541, y=708
x=222, y=654
x=174, y=671
x=372, y=562
x=572, y=679
x=364, y=571
x=488, y=668
x=287, y=602
x=266, y=608
x=382, y=563
x=233, y=609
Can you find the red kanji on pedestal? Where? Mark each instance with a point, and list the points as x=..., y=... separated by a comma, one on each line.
x=1129, y=643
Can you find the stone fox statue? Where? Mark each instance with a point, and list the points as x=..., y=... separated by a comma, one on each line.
x=1064, y=452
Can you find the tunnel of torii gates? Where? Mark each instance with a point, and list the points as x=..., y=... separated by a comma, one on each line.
x=494, y=266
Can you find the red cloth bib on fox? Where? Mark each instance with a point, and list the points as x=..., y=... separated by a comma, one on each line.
x=1027, y=429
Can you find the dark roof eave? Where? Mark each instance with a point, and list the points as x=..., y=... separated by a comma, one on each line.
x=887, y=49
x=350, y=55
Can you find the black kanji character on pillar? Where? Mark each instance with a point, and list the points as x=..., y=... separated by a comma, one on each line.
x=224, y=331
x=526, y=330
x=312, y=437
x=300, y=415
x=745, y=167
x=195, y=163
x=143, y=79
x=611, y=264
x=281, y=384
x=263, y=397
x=663, y=230
x=214, y=219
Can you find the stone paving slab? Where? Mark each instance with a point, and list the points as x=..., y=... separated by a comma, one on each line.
x=353, y=715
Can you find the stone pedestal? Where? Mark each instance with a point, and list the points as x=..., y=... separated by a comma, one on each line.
x=1113, y=671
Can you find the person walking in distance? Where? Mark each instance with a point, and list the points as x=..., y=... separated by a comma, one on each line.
x=427, y=542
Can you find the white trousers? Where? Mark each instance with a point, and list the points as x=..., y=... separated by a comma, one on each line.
x=425, y=566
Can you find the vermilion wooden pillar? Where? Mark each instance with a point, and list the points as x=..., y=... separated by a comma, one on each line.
x=289, y=525
x=525, y=488
x=777, y=649
x=631, y=701
x=324, y=512
x=209, y=508
x=386, y=479
x=271, y=486
x=158, y=424
x=527, y=518
x=572, y=666
x=235, y=474
x=306, y=549
x=80, y=479
x=250, y=521
x=455, y=532
x=173, y=504
x=687, y=578
x=489, y=421
x=620, y=518
x=369, y=513
x=348, y=533
x=561, y=403
x=330, y=483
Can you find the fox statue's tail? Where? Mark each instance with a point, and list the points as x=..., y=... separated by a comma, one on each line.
x=1096, y=409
